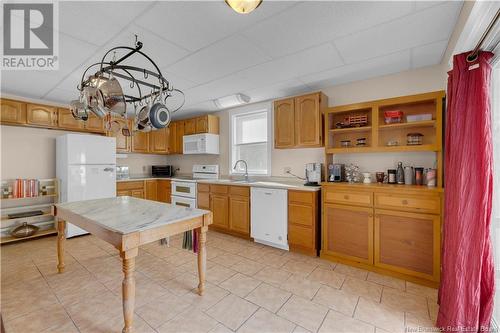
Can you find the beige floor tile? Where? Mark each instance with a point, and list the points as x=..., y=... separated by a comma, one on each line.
x=181, y=284
x=265, y=321
x=273, y=260
x=232, y=311
x=351, y=271
x=338, y=323
x=240, y=284
x=299, y=329
x=416, y=289
x=380, y=315
x=146, y=289
x=180, y=258
x=227, y=259
x=213, y=294
x=248, y=267
x=404, y=302
x=81, y=291
x=188, y=322
x=162, y=309
x=328, y=277
x=338, y=300
x=25, y=301
x=272, y=275
x=115, y=325
x=220, y=329
x=303, y=313
x=417, y=323
x=362, y=288
x=387, y=281
x=253, y=254
x=300, y=286
x=217, y=274
x=299, y=267
x=104, y=269
x=269, y=297
x=39, y=321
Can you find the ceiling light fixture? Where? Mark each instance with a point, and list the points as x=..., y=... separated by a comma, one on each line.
x=243, y=6
x=231, y=101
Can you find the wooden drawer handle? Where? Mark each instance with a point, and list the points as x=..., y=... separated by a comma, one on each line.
x=346, y=197
x=404, y=202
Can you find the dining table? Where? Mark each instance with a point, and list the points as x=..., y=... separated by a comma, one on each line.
x=127, y=223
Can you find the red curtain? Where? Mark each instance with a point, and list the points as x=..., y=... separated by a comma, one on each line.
x=467, y=276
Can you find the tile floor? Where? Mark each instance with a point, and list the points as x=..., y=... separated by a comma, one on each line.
x=251, y=288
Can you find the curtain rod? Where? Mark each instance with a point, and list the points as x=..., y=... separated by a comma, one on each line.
x=473, y=55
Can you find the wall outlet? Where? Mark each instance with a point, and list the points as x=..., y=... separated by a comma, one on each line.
x=287, y=170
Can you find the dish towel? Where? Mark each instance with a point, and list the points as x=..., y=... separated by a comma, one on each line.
x=190, y=241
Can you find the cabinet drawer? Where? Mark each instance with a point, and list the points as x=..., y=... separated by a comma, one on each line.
x=221, y=189
x=301, y=236
x=203, y=188
x=428, y=204
x=123, y=186
x=301, y=214
x=240, y=190
x=349, y=198
x=301, y=196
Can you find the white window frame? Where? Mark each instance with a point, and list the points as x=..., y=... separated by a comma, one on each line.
x=247, y=110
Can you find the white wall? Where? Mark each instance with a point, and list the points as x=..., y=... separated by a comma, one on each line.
x=31, y=153
x=406, y=83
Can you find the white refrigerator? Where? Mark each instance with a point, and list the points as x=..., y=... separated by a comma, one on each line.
x=86, y=169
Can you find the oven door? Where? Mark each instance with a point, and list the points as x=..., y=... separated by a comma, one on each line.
x=184, y=189
x=184, y=202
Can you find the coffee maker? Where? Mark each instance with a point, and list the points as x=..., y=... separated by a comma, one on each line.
x=336, y=172
x=313, y=174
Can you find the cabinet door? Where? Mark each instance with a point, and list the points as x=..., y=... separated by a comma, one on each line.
x=158, y=141
x=122, y=142
x=164, y=191
x=308, y=129
x=95, y=124
x=151, y=190
x=202, y=124
x=219, y=205
x=122, y=193
x=190, y=126
x=140, y=142
x=239, y=214
x=66, y=120
x=284, y=123
x=41, y=115
x=180, y=134
x=172, y=138
x=12, y=112
x=137, y=194
x=408, y=243
x=203, y=199
x=348, y=232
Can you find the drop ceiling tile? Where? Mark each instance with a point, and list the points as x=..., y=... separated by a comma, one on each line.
x=282, y=89
x=311, y=60
x=312, y=23
x=31, y=84
x=97, y=21
x=419, y=5
x=220, y=59
x=72, y=53
x=196, y=24
x=428, y=55
x=385, y=65
x=61, y=96
x=430, y=25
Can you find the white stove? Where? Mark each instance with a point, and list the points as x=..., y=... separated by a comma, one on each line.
x=184, y=187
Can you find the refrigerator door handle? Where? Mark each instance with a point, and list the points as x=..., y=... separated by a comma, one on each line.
x=108, y=169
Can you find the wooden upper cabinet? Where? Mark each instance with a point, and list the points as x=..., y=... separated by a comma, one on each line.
x=172, y=138
x=95, y=124
x=190, y=126
x=284, y=123
x=12, y=112
x=140, y=142
x=202, y=124
x=207, y=124
x=158, y=141
x=180, y=134
x=308, y=121
x=123, y=143
x=41, y=115
x=66, y=120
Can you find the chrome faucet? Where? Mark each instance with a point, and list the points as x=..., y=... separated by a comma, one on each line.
x=246, y=168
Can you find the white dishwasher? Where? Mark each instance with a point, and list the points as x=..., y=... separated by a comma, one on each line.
x=269, y=216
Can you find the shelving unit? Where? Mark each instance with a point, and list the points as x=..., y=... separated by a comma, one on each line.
x=45, y=221
x=378, y=134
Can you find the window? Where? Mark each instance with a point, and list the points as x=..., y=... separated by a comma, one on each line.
x=250, y=142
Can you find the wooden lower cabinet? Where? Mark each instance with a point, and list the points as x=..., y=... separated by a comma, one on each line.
x=137, y=194
x=151, y=189
x=303, y=222
x=219, y=204
x=348, y=232
x=408, y=243
x=164, y=191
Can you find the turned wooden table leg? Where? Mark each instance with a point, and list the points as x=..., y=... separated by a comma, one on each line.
x=202, y=258
x=61, y=239
x=128, y=287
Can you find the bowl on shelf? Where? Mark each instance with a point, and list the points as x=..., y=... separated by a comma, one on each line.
x=24, y=230
x=345, y=143
x=414, y=139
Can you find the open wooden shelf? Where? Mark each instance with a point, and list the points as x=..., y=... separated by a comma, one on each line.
x=6, y=218
x=10, y=239
x=351, y=129
x=426, y=123
x=37, y=197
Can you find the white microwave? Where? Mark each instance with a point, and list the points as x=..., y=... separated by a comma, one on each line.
x=205, y=143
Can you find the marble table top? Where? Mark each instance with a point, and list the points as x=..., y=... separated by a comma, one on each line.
x=127, y=214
